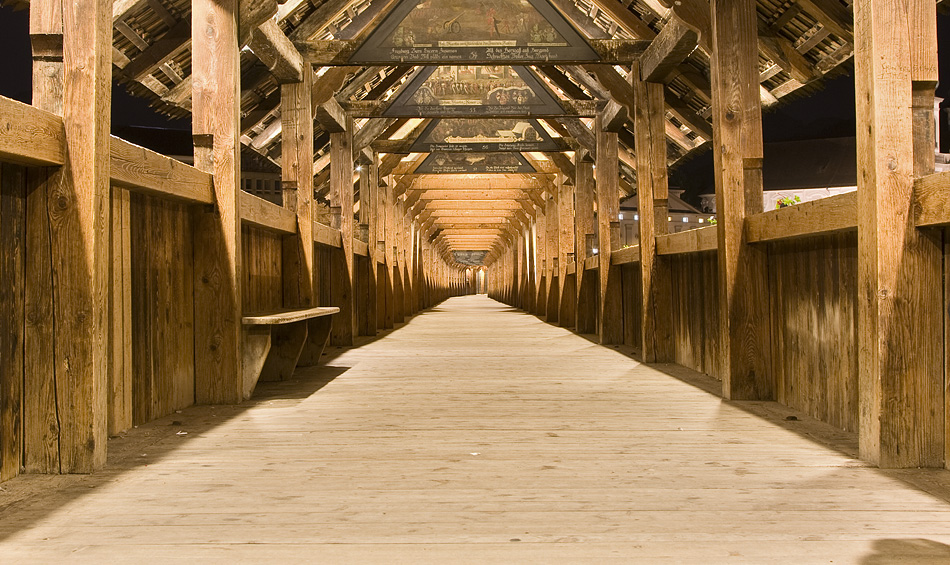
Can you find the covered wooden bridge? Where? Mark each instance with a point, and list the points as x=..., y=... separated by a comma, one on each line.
x=281, y=349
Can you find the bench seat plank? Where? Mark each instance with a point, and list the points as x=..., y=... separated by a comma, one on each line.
x=288, y=316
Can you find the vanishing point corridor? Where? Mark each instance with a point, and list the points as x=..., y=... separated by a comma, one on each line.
x=476, y=433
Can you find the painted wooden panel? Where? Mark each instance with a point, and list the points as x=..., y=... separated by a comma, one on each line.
x=163, y=343
x=696, y=329
x=261, y=259
x=813, y=290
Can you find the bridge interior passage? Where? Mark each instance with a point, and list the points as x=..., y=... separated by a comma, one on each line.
x=477, y=433
x=355, y=163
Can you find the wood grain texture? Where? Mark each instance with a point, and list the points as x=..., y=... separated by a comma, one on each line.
x=341, y=198
x=697, y=342
x=30, y=136
x=838, y=213
x=931, y=201
x=653, y=198
x=689, y=241
x=899, y=266
x=218, y=270
x=610, y=310
x=162, y=307
x=737, y=152
x=146, y=171
x=813, y=284
x=262, y=214
x=121, y=365
x=586, y=284
x=262, y=276
x=13, y=187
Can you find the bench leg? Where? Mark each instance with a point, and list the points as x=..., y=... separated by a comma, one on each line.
x=257, y=345
x=317, y=340
x=287, y=342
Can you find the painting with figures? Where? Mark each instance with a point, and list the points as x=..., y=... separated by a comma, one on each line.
x=453, y=163
x=465, y=30
x=474, y=90
x=483, y=135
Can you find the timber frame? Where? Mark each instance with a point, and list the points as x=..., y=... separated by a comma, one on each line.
x=141, y=267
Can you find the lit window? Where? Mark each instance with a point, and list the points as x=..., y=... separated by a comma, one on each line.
x=621, y=216
x=636, y=216
x=700, y=220
x=685, y=219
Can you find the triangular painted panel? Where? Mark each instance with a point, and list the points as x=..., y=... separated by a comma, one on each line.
x=473, y=90
x=483, y=134
x=453, y=31
x=453, y=163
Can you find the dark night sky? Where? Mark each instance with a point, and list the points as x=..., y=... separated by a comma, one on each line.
x=827, y=113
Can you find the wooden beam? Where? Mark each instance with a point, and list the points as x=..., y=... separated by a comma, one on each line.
x=737, y=152
x=378, y=109
x=325, y=235
x=668, y=49
x=625, y=256
x=277, y=53
x=689, y=241
x=656, y=308
x=257, y=212
x=370, y=131
x=833, y=15
x=932, y=200
x=900, y=278
x=586, y=297
x=341, y=203
x=30, y=136
x=834, y=214
x=331, y=116
x=143, y=170
x=330, y=53
x=218, y=270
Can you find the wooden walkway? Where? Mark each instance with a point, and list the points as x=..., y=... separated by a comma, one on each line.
x=479, y=434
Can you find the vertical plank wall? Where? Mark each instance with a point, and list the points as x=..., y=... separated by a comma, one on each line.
x=632, y=296
x=263, y=289
x=162, y=301
x=813, y=296
x=12, y=316
x=695, y=290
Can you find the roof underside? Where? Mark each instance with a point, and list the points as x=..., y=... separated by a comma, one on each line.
x=800, y=42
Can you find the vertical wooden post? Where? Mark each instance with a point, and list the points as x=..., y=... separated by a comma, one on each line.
x=120, y=369
x=543, y=264
x=610, y=314
x=297, y=181
x=584, y=226
x=567, y=308
x=386, y=219
x=737, y=154
x=41, y=424
x=653, y=190
x=12, y=316
x=553, y=254
x=341, y=202
x=216, y=106
x=369, y=197
x=67, y=348
x=899, y=267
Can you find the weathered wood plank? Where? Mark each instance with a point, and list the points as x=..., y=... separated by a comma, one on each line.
x=143, y=170
x=13, y=187
x=899, y=266
x=30, y=136
x=610, y=302
x=625, y=256
x=378, y=108
x=667, y=50
x=218, y=268
x=690, y=241
x=834, y=214
x=932, y=200
x=737, y=151
x=277, y=53
x=297, y=181
x=260, y=213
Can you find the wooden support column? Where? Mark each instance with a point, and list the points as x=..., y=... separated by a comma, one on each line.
x=341, y=205
x=218, y=270
x=652, y=188
x=386, y=219
x=406, y=240
x=899, y=267
x=553, y=245
x=369, y=186
x=737, y=153
x=65, y=340
x=543, y=264
x=41, y=387
x=297, y=181
x=587, y=292
x=610, y=314
x=567, y=308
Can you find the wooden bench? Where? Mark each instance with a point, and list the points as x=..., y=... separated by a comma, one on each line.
x=276, y=342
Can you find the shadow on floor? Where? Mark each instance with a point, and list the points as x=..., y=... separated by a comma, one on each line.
x=912, y=550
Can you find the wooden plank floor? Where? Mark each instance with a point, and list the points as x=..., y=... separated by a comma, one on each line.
x=476, y=433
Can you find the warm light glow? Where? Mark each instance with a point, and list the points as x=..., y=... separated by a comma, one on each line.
x=620, y=216
x=700, y=220
x=685, y=219
x=636, y=217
